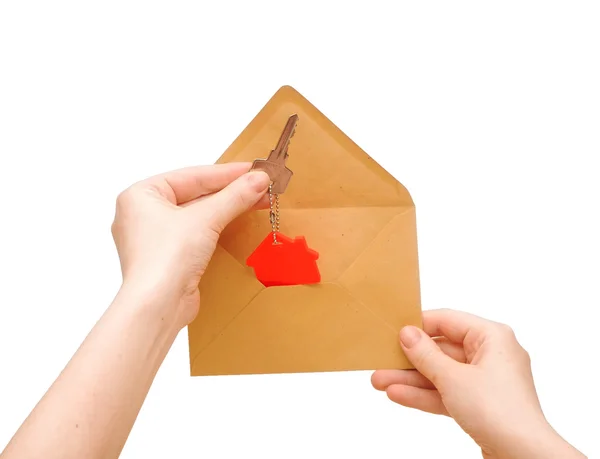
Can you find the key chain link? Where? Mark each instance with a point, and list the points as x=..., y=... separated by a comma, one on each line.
x=274, y=213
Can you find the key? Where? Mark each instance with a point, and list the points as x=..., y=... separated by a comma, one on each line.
x=274, y=165
x=280, y=260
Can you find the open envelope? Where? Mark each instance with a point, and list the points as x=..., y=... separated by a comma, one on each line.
x=358, y=218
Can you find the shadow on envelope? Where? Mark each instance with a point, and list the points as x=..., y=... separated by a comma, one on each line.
x=361, y=221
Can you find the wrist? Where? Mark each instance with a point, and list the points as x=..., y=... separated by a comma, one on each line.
x=551, y=445
x=159, y=301
x=536, y=442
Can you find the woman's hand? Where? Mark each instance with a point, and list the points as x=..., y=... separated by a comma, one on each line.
x=475, y=371
x=166, y=228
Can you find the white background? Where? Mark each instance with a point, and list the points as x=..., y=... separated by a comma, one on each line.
x=488, y=112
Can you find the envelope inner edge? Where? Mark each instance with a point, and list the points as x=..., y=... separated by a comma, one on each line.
x=402, y=209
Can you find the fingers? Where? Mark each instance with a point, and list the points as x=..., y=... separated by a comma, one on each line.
x=263, y=202
x=418, y=398
x=382, y=379
x=454, y=350
x=454, y=325
x=183, y=185
x=469, y=330
x=236, y=198
x=426, y=355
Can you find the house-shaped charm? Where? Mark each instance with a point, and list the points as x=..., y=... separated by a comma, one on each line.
x=289, y=262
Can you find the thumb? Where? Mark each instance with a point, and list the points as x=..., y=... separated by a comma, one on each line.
x=426, y=355
x=237, y=197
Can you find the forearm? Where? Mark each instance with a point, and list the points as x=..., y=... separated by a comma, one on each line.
x=90, y=409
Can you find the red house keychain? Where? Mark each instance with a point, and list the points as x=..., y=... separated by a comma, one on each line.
x=280, y=260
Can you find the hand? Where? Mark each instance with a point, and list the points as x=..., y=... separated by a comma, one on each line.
x=166, y=228
x=475, y=371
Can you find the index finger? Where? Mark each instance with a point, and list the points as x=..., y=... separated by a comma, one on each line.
x=184, y=185
x=454, y=325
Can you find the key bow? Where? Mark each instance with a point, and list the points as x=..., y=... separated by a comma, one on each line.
x=274, y=165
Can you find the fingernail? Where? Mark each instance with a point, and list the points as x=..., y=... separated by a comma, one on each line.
x=410, y=336
x=259, y=180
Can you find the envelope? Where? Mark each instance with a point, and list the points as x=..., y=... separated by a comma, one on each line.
x=362, y=223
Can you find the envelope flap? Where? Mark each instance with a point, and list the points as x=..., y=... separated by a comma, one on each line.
x=302, y=329
x=330, y=170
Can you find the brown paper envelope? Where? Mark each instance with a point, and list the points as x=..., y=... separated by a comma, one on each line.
x=361, y=221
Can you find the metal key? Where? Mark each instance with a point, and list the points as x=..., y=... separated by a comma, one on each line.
x=274, y=165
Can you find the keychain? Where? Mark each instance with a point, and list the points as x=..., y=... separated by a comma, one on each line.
x=280, y=260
